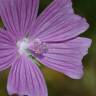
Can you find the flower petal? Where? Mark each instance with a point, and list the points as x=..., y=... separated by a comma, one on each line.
x=58, y=22
x=7, y=49
x=66, y=57
x=18, y=15
x=26, y=79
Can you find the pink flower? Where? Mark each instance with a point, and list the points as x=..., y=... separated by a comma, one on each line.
x=51, y=38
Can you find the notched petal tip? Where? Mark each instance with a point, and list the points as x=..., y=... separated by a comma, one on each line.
x=76, y=75
x=86, y=24
x=88, y=42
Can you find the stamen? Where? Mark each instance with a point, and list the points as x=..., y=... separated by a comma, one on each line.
x=38, y=48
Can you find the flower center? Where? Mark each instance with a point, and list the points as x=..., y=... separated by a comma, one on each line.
x=32, y=47
x=23, y=46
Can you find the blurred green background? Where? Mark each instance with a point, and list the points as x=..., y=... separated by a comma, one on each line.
x=58, y=84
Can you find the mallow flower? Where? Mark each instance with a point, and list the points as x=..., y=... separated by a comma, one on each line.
x=52, y=38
